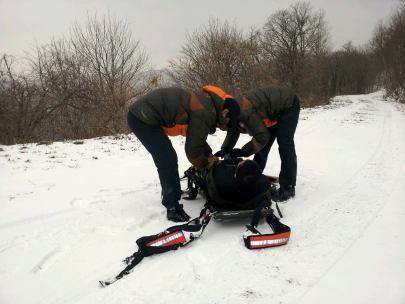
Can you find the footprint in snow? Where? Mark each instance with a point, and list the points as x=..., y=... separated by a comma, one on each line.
x=304, y=178
x=200, y=265
x=107, y=230
x=79, y=203
x=310, y=171
x=50, y=259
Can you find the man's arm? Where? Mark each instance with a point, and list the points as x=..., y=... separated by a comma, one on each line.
x=196, y=138
x=230, y=140
x=258, y=130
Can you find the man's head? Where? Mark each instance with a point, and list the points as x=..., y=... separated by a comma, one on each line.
x=247, y=173
x=230, y=112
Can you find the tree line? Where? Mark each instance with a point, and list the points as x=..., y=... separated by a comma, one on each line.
x=80, y=86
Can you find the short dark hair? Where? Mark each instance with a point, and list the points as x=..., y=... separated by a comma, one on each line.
x=248, y=173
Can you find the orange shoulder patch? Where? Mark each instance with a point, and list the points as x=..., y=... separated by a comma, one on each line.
x=246, y=103
x=195, y=104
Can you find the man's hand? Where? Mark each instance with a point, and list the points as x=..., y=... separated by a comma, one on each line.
x=234, y=153
x=221, y=153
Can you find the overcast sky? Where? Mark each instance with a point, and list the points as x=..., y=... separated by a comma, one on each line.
x=161, y=25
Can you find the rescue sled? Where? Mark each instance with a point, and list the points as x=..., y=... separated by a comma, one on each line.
x=202, y=182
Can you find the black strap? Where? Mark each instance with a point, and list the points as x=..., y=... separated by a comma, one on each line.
x=193, y=225
x=278, y=210
x=138, y=257
x=256, y=215
x=253, y=229
x=276, y=225
x=192, y=186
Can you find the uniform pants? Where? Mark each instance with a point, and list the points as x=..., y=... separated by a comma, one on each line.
x=284, y=131
x=159, y=146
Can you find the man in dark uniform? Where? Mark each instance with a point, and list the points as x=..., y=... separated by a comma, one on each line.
x=176, y=111
x=268, y=113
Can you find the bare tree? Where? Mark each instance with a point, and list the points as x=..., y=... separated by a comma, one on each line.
x=74, y=87
x=388, y=43
x=117, y=66
x=353, y=70
x=295, y=41
x=22, y=106
x=220, y=54
x=58, y=71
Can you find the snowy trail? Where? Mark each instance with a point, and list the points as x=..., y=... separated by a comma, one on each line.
x=306, y=270
x=385, y=230
x=349, y=155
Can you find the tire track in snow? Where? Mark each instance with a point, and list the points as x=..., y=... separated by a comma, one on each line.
x=85, y=228
x=374, y=155
x=353, y=106
x=347, y=114
x=333, y=113
x=75, y=209
x=335, y=224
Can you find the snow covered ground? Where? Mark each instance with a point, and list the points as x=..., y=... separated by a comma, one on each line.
x=71, y=211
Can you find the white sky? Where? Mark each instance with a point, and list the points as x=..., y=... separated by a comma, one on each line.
x=161, y=25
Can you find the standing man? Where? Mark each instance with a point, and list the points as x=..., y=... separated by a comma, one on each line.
x=176, y=111
x=268, y=113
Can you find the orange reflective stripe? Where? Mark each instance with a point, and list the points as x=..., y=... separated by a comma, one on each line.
x=216, y=90
x=270, y=240
x=169, y=240
x=176, y=130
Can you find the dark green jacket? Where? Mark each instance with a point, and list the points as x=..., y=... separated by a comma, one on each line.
x=257, y=106
x=182, y=112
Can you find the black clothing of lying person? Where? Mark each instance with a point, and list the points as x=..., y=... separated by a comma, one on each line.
x=238, y=180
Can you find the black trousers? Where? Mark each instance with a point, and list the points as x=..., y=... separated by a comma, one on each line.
x=284, y=131
x=159, y=146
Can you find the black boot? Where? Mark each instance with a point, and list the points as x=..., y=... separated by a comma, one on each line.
x=284, y=193
x=177, y=214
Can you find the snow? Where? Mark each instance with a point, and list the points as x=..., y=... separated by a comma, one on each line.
x=70, y=212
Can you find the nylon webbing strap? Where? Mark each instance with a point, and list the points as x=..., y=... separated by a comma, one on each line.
x=254, y=239
x=170, y=239
x=256, y=215
x=137, y=258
